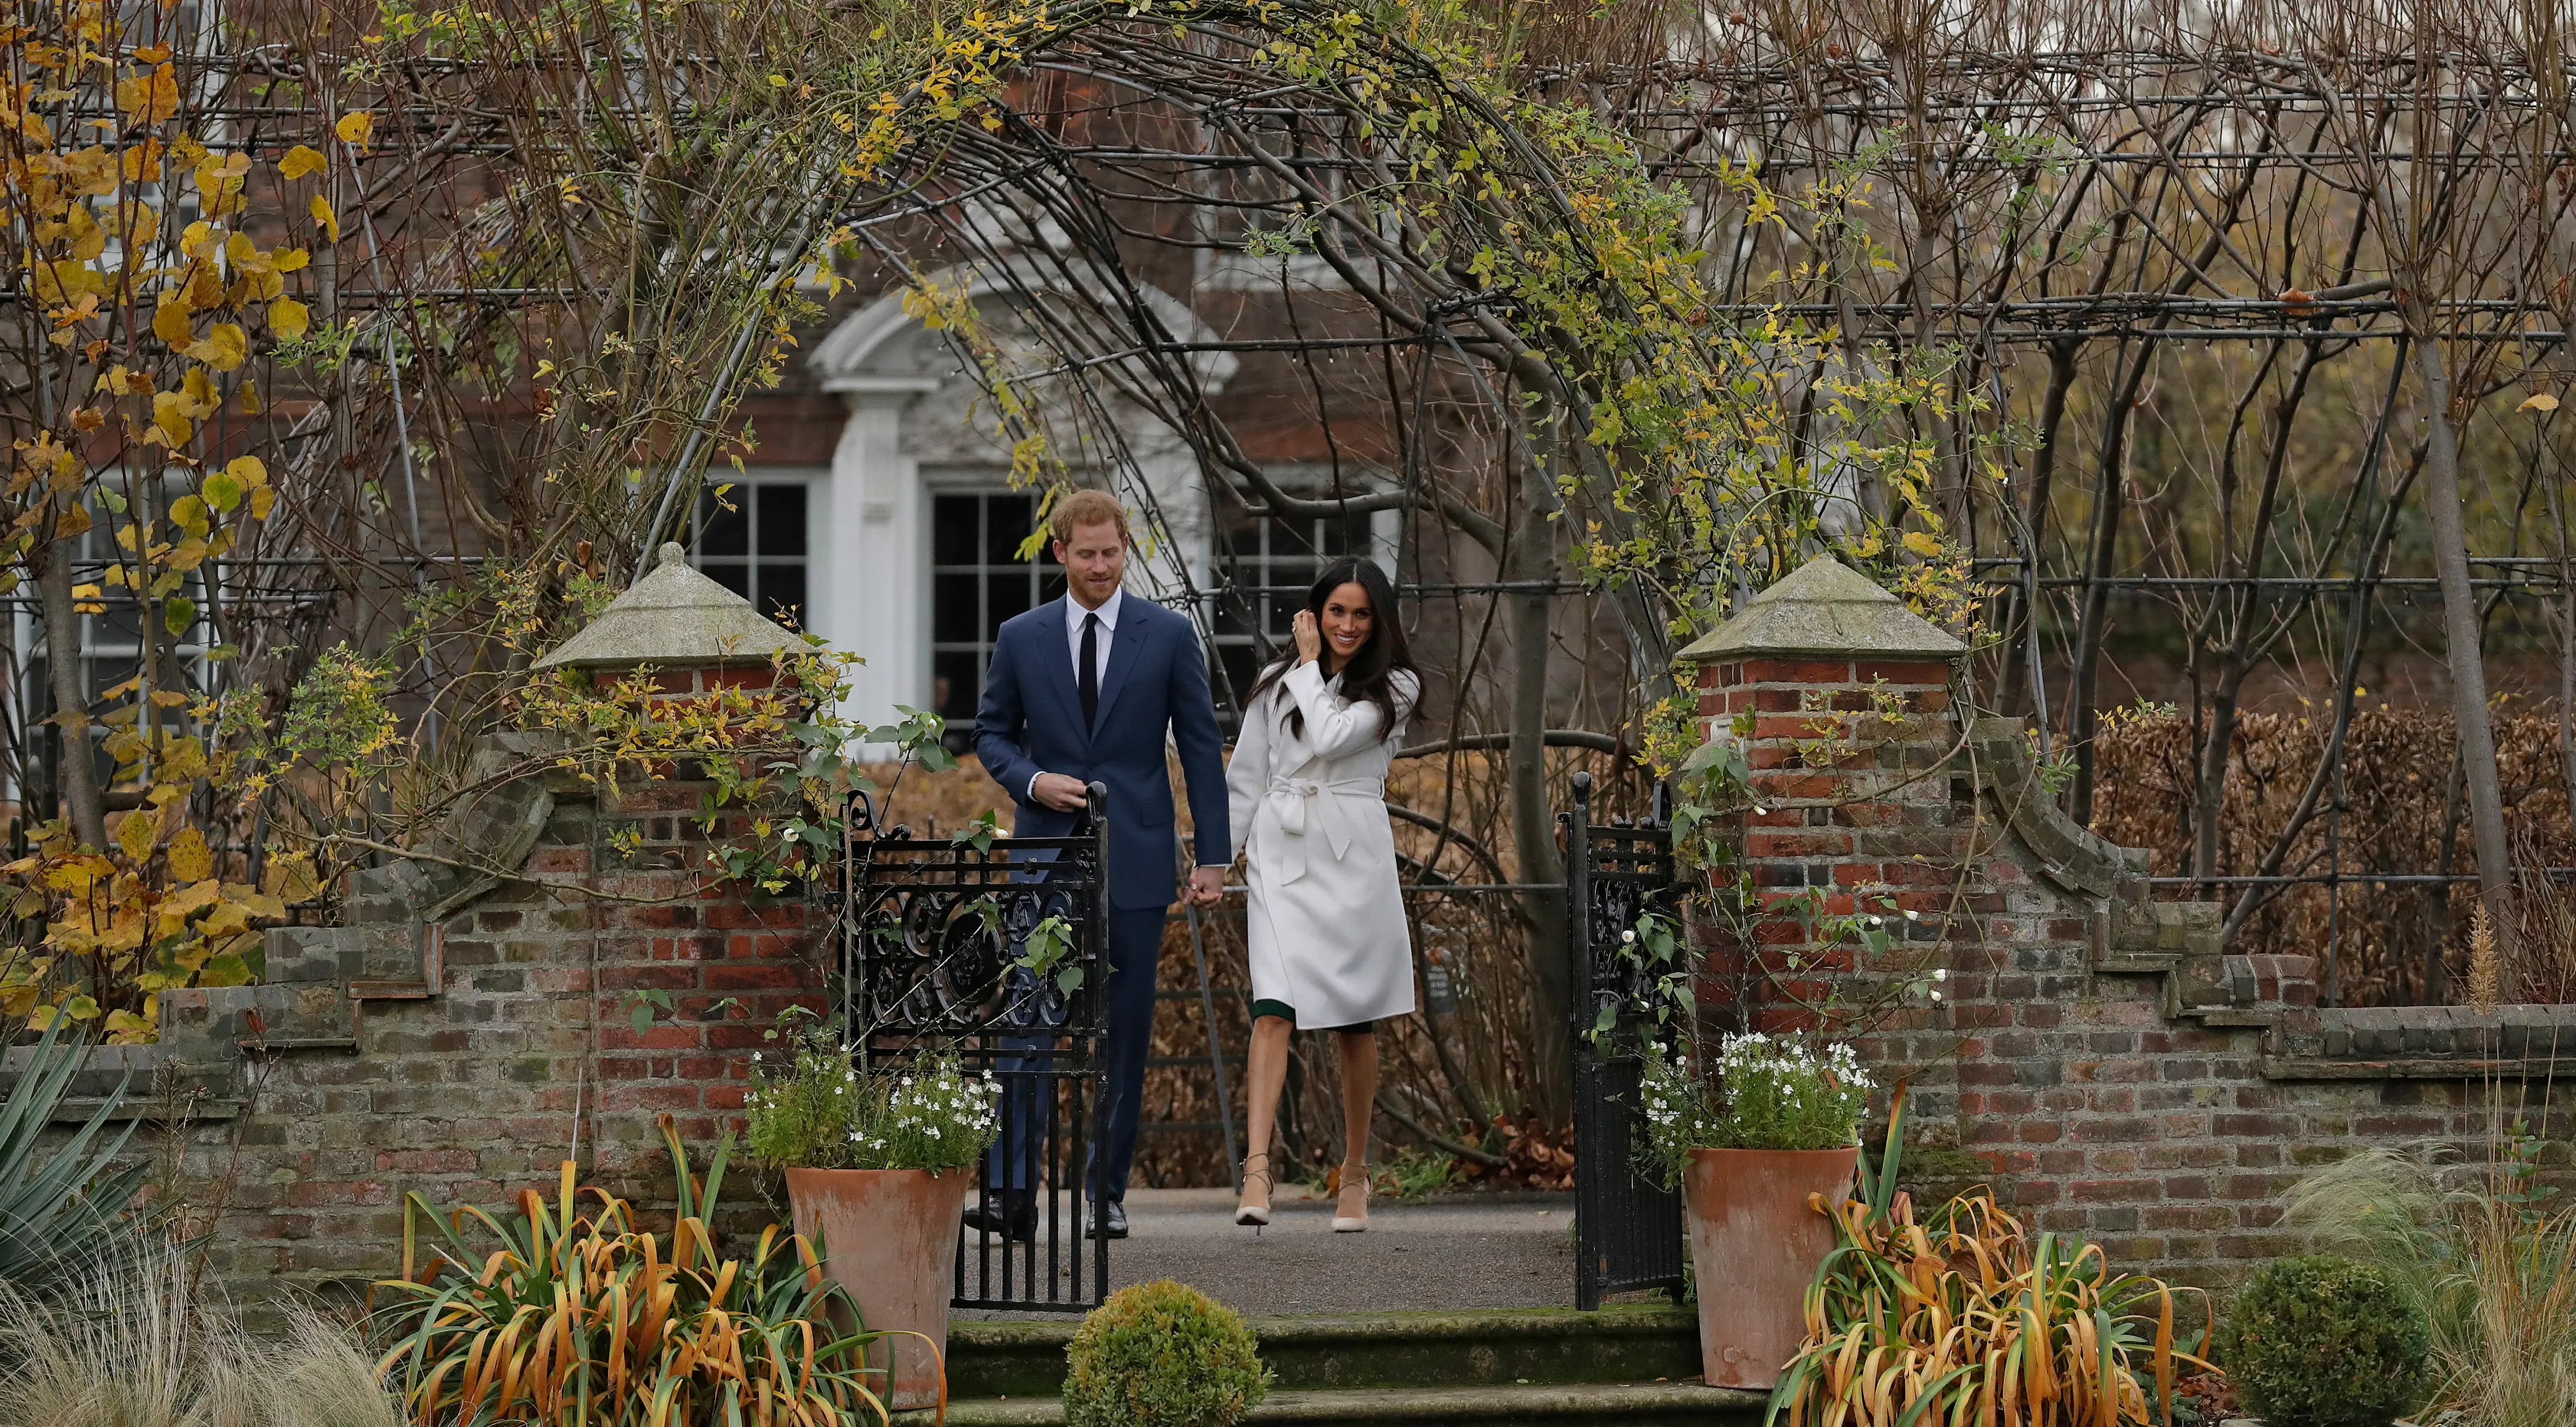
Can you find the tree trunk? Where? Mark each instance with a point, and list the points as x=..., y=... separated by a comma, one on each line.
x=1533, y=560
x=82, y=799
x=2461, y=633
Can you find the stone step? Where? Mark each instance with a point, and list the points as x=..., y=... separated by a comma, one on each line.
x=302, y=954
x=1488, y=1348
x=1677, y=1404
x=210, y=1022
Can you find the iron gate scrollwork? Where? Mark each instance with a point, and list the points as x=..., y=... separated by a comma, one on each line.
x=937, y=957
x=1628, y=1231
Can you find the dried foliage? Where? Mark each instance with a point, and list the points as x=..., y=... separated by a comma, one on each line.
x=571, y=1314
x=1967, y=1318
x=2396, y=810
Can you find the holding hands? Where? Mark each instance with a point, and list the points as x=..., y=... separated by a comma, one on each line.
x=1206, y=890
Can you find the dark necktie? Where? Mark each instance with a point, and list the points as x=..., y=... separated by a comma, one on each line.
x=1087, y=669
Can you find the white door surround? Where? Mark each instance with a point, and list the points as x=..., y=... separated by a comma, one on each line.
x=915, y=405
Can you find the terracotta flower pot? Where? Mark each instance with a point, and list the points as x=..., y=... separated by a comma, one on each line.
x=889, y=1237
x=1755, y=1246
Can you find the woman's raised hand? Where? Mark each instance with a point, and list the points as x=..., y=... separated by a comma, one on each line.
x=1309, y=636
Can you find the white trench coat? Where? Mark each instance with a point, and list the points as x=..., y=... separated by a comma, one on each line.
x=1326, y=922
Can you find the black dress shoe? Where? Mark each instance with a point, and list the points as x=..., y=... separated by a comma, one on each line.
x=1106, y=1220
x=1012, y=1215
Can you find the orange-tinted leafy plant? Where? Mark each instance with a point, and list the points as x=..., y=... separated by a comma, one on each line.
x=1970, y=1318
x=572, y=1315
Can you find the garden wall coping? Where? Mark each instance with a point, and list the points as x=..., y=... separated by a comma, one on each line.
x=1825, y=607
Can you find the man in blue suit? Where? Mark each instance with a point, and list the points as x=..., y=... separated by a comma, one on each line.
x=1081, y=690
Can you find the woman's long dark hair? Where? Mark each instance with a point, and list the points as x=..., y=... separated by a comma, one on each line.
x=1370, y=673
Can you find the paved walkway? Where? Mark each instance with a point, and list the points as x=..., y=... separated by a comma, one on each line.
x=1444, y=1253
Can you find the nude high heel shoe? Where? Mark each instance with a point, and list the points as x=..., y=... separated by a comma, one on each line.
x=1253, y=1212
x=1350, y=1211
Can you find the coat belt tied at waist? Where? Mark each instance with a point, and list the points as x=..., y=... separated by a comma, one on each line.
x=1290, y=800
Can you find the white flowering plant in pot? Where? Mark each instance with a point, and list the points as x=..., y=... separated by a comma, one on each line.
x=1764, y=1092
x=818, y=1110
x=1786, y=1091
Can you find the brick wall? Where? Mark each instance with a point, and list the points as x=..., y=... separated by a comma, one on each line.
x=461, y=1036
x=2113, y=1069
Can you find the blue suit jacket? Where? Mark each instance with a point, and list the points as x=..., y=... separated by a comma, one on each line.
x=1031, y=723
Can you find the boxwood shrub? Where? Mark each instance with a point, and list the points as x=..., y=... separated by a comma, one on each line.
x=1162, y=1354
x=2322, y=1341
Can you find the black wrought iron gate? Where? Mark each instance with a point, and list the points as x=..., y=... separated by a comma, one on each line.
x=1627, y=1231
x=993, y=951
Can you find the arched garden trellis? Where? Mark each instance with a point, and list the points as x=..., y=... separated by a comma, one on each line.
x=2086, y=324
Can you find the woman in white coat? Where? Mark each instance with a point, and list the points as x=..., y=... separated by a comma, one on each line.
x=1330, y=949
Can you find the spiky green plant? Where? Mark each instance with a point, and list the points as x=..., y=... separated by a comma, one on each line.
x=62, y=1208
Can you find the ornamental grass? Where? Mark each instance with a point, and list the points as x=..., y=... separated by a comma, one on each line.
x=2485, y=1255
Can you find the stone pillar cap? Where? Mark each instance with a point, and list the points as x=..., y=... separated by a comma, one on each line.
x=672, y=617
x=1825, y=608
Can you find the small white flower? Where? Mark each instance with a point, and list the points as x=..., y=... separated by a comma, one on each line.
x=1941, y=973
x=1913, y=916
x=1629, y=936
x=1758, y=808
x=1936, y=995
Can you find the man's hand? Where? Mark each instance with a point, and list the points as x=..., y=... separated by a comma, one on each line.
x=1207, y=887
x=1065, y=795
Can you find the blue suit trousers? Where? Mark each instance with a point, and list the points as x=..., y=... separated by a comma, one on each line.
x=1134, y=953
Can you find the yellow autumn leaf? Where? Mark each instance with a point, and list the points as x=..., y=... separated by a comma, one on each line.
x=143, y=161
x=149, y=98
x=87, y=238
x=261, y=498
x=289, y=319
x=287, y=260
x=1922, y=543
x=170, y=321
x=170, y=418
x=223, y=347
x=249, y=470
x=356, y=127
x=320, y=208
x=201, y=892
x=2538, y=401
x=301, y=160
x=190, y=859
x=127, y=1028
x=138, y=834
x=216, y=176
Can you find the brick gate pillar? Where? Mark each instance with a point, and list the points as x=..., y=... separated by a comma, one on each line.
x=661, y=921
x=1839, y=699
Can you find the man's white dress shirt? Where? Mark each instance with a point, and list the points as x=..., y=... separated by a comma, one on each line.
x=1074, y=614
